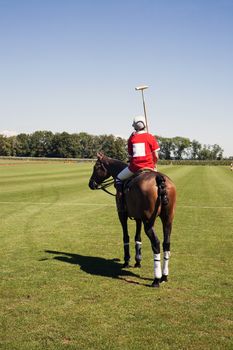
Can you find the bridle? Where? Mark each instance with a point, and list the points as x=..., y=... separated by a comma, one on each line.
x=106, y=183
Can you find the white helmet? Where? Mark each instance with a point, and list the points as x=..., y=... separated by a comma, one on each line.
x=139, y=122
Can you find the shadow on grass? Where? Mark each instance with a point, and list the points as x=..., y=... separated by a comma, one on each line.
x=96, y=265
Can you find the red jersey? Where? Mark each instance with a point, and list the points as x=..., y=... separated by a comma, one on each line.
x=141, y=147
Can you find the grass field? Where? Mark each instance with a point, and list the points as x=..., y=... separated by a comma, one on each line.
x=62, y=286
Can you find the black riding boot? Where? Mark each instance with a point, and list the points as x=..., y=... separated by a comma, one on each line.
x=120, y=197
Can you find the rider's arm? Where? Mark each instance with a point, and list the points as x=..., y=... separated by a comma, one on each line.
x=130, y=149
x=155, y=155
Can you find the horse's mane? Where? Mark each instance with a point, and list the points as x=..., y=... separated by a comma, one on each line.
x=116, y=164
x=120, y=163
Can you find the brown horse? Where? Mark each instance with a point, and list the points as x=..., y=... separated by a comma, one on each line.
x=147, y=195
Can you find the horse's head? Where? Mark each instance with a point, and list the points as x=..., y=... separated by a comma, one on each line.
x=100, y=172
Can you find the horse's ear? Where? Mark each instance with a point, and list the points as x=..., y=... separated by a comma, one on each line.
x=100, y=155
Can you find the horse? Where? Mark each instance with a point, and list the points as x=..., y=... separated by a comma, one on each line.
x=147, y=195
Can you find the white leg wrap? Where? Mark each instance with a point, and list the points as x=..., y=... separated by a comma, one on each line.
x=157, y=266
x=138, y=250
x=166, y=257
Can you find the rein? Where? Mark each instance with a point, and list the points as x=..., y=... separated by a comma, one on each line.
x=106, y=184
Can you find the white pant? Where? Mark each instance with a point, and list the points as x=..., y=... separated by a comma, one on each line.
x=124, y=174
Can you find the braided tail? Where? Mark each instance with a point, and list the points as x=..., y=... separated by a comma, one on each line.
x=162, y=192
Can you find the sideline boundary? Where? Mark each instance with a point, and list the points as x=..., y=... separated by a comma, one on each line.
x=108, y=204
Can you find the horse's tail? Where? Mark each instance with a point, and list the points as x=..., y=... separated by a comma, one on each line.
x=162, y=192
x=161, y=198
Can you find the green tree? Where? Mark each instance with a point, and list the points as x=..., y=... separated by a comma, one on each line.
x=210, y=152
x=62, y=145
x=217, y=152
x=121, y=149
x=83, y=145
x=181, y=146
x=22, y=148
x=195, y=149
x=40, y=143
x=204, y=153
x=112, y=146
x=5, y=146
x=166, y=147
x=88, y=145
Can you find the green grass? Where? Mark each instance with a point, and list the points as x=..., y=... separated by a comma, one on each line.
x=61, y=282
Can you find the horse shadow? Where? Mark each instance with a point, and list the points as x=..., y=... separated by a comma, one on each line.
x=95, y=265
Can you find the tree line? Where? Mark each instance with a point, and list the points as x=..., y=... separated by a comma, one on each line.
x=84, y=145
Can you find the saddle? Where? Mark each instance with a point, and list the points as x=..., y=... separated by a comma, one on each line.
x=160, y=181
x=127, y=184
x=125, y=187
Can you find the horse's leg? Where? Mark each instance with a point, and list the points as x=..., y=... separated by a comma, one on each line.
x=155, y=244
x=167, y=227
x=167, y=216
x=123, y=217
x=138, y=244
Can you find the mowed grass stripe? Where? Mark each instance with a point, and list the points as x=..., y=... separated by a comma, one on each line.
x=58, y=184
x=61, y=282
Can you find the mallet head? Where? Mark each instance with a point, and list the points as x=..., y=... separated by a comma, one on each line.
x=143, y=87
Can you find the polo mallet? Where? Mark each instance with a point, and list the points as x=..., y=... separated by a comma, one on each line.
x=141, y=88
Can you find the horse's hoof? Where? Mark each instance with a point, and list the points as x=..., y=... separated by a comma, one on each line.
x=155, y=283
x=125, y=265
x=137, y=264
x=163, y=279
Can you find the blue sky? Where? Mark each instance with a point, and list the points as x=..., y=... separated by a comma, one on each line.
x=73, y=66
